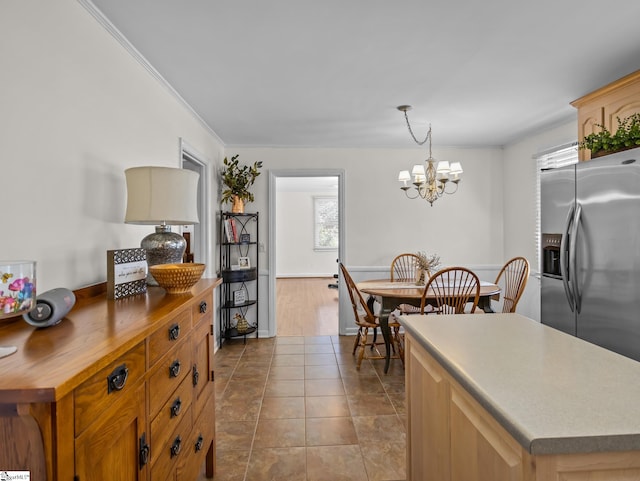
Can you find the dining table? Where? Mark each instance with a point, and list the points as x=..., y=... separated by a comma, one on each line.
x=392, y=294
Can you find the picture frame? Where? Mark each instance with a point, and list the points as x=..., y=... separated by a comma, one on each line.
x=239, y=297
x=126, y=272
x=245, y=238
x=244, y=263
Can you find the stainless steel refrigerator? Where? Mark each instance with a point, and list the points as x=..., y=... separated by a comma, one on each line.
x=590, y=221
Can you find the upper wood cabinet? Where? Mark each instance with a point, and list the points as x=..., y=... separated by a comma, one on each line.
x=603, y=106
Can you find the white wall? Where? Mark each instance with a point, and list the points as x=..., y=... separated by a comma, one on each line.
x=520, y=203
x=380, y=222
x=295, y=255
x=77, y=110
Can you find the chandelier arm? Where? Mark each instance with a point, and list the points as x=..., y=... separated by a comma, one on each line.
x=406, y=192
x=455, y=189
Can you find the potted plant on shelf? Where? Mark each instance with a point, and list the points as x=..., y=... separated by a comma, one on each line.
x=236, y=180
x=627, y=136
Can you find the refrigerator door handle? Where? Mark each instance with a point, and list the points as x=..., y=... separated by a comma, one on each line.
x=564, y=272
x=573, y=264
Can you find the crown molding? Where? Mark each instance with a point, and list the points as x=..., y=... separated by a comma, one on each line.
x=115, y=33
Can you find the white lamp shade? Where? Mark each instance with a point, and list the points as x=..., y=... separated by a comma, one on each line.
x=443, y=167
x=456, y=168
x=418, y=169
x=161, y=195
x=404, y=176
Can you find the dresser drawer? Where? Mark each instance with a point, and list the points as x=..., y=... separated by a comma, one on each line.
x=170, y=334
x=200, y=440
x=202, y=308
x=108, y=385
x=165, y=456
x=171, y=413
x=167, y=375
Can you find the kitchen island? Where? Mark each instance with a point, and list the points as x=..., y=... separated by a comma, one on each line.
x=502, y=397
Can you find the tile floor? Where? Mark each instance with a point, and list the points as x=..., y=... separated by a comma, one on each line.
x=296, y=409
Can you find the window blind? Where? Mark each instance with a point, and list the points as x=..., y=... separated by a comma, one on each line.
x=552, y=158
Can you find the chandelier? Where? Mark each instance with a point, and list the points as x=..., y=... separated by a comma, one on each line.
x=430, y=183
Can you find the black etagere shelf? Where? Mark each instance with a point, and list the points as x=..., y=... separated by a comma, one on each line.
x=239, y=291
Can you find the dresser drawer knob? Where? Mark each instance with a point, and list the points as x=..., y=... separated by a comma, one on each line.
x=175, y=407
x=174, y=369
x=203, y=307
x=196, y=375
x=199, y=443
x=144, y=450
x=174, y=332
x=175, y=447
x=117, y=379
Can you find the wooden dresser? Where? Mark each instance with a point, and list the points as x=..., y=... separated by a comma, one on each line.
x=119, y=390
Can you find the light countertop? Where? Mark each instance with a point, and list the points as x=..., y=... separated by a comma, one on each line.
x=552, y=392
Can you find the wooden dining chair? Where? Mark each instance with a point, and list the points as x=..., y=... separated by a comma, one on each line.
x=451, y=290
x=512, y=279
x=365, y=320
x=403, y=268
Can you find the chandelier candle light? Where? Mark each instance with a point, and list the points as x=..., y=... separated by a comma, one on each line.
x=430, y=183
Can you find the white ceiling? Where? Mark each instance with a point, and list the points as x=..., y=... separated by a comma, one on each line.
x=330, y=73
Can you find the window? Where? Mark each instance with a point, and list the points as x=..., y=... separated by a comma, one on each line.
x=554, y=158
x=325, y=211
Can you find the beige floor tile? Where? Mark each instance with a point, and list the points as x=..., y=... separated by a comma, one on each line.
x=288, y=360
x=277, y=464
x=335, y=463
x=323, y=387
x=320, y=359
x=231, y=465
x=289, y=349
x=234, y=435
x=380, y=429
x=363, y=385
x=318, y=348
x=282, y=408
x=284, y=387
x=286, y=372
x=330, y=431
x=385, y=461
x=326, y=406
x=238, y=410
x=322, y=372
x=370, y=405
x=279, y=433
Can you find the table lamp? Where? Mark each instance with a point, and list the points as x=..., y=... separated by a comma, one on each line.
x=162, y=196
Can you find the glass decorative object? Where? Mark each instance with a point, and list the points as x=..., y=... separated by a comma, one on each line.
x=17, y=292
x=17, y=287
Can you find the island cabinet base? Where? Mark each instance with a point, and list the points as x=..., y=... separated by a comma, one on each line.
x=451, y=437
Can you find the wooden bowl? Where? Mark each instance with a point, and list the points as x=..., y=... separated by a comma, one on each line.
x=177, y=278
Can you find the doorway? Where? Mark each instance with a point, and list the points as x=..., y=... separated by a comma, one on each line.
x=302, y=255
x=199, y=243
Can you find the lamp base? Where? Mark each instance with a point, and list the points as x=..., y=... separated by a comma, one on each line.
x=163, y=247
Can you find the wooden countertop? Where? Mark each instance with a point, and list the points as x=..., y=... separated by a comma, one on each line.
x=554, y=393
x=51, y=361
